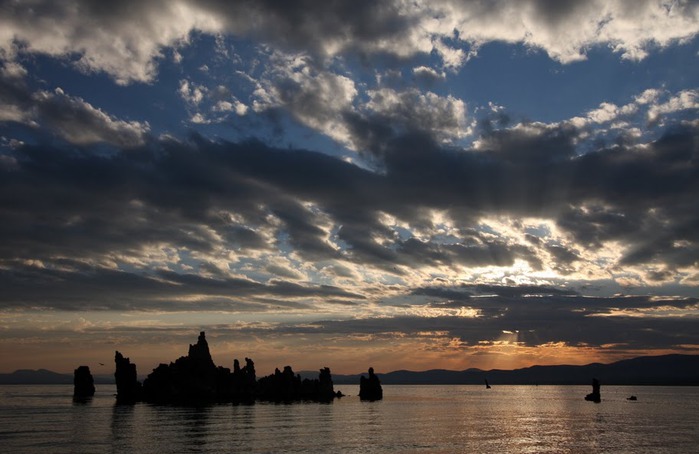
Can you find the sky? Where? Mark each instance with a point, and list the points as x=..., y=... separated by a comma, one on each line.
x=348, y=183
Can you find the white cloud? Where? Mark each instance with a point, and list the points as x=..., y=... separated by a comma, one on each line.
x=452, y=58
x=240, y=108
x=199, y=119
x=226, y=106
x=318, y=99
x=126, y=40
x=10, y=112
x=648, y=96
x=223, y=106
x=191, y=93
x=686, y=99
x=122, y=40
x=428, y=73
x=565, y=30
x=443, y=115
x=13, y=70
x=648, y=106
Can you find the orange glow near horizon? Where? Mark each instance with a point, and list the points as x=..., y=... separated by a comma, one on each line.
x=353, y=357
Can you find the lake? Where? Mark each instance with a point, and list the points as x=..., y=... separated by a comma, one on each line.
x=410, y=419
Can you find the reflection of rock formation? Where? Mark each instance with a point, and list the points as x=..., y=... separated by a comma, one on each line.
x=594, y=396
x=83, y=384
x=195, y=378
x=370, y=388
x=127, y=384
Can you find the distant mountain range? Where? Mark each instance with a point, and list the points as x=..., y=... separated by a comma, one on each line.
x=645, y=370
x=46, y=377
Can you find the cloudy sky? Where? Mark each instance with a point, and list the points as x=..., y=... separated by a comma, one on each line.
x=402, y=184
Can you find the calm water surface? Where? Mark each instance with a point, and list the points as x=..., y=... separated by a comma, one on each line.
x=410, y=419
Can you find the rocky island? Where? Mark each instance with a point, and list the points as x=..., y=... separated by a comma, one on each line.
x=370, y=388
x=195, y=378
x=83, y=383
x=594, y=396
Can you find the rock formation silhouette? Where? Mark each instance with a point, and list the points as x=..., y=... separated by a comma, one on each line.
x=370, y=388
x=194, y=379
x=190, y=378
x=594, y=396
x=83, y=383
x=129, y=389
x=241, y=385
x=285, y=386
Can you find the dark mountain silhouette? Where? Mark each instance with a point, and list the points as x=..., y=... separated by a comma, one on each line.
x=47, y=377
x=38, y=377
x=644, y=370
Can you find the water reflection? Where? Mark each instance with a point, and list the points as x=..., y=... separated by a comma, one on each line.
x=409, y=419
x=196, y=426
x=122, y=428
x=180, y=428
x=82, y=400
x=242, y=425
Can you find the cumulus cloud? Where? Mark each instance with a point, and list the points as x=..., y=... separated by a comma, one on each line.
x=14, y=93
x=444, y=116
x=79, y=122
x=69, y=117
x=122, y=39
x=428, y=75
x=317, y=99
x=537, y=320
x=641, y=116
x=565, y=30
x=547, y=222
x=126, y=40
x=684, y=100
x=221, y=208
x=226, y=106
x=191, y=93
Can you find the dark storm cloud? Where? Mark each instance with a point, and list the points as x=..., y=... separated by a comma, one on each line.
x=58, y=114
x=466, y=291
x=554, y=11
x=13, y=88
x=69, y=202
x=532, y=144
x=534, y=321
x=311, y=25
x=76, y=286
x=647, y=199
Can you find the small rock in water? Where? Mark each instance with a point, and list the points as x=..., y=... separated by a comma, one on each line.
x=594, y=396
x=370, y=388
x=83, y=384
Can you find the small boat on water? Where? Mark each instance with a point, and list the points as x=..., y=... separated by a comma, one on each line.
x=487, y=386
